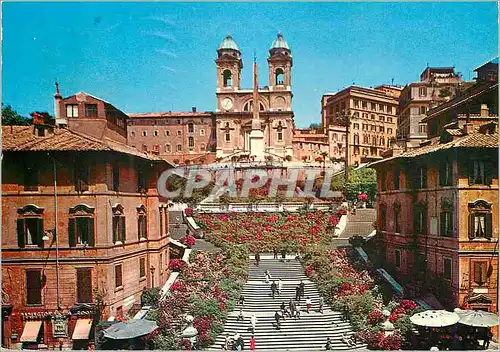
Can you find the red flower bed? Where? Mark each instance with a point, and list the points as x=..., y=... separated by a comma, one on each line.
x=176, y=264
x=188, y=212
x=188, y=240
x=265, y=232
x=375, y=318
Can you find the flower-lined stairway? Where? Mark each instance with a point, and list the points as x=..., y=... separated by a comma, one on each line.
x=308, y=333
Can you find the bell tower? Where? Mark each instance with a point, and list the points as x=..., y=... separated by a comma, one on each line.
x=280, y=64
x=229, y=66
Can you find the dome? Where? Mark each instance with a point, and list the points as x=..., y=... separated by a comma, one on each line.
x=228, y=43
x=279, y=43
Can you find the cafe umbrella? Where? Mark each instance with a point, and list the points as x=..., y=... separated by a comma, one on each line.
x=435, y=318
x=130, y=329
x=477, y=318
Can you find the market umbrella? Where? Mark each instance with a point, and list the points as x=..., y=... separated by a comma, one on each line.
x=130, y=329
x=477, y=318
x=435, y=318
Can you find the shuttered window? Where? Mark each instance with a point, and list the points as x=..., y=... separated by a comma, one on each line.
x=446, y=224
x=118, y=276
x=81, y=231
x=33, y=287
x=480, y=272
x=142, y=226
x=142, y=267
x=118, y=228
x=447, y=268
x=445, y=175
x=84, y=285
x=480, y=225
x=81, y=177
x=116, y=178
x=480, y=172
x=30, y=231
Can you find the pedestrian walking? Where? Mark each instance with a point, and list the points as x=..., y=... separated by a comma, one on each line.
x=252, y=343
x=321, y=303
x=240, y=316
x=241, y=300
x=328, y=345
x=227, y=343
x=487, y=339
x=257, y=258
x=273, y=288
x=280, y=286
x=268, y=276
x=275, y=253
x=308, y=304
x=302, y=288
x=240, y=344
x=297, y=293
x=253, y=321
x=277, y=318
x=291, y=306
x=297, y=311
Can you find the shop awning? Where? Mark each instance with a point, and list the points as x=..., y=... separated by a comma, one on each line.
x=31, y=331
x=82, y=329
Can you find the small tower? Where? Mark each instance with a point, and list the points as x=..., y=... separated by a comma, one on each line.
x=229, y=65
x=280, y=64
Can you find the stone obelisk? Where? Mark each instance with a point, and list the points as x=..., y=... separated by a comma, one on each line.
x=256, y=136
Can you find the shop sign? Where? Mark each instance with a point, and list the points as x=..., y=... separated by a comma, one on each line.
x=59, y=327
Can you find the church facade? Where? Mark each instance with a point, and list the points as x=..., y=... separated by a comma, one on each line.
x=234, y=115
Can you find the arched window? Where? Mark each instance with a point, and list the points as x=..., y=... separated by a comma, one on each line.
x=249, y=106
x=279, y=76
x=142, y=227
x=167, y=148
x=81, y=225
x=118, y=224
x=202, y=147
x=228, y=82
x=30, y=226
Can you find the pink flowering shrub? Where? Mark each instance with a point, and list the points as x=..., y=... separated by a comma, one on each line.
x=188, y=212
x=375, y=318
x=176, y=264
x=188, y=240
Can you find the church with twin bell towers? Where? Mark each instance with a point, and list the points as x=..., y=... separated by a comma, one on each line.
x=264, y=132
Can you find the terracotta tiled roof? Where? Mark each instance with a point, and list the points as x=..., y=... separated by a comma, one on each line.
x=22, y=138
x=473, y=140
x=172, y=114
x=455, y=131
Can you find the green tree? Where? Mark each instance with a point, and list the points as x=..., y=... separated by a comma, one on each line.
x=11, y=117
x=363, y=180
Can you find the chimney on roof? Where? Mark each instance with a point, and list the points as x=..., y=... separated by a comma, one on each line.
x=57, y=108
x=193, y=109
x=485, y=111
x=468, y=128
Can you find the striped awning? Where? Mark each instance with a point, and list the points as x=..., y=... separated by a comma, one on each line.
x=82, y=329
x=31, y=331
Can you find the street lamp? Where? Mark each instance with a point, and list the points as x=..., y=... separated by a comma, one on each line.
x=343, y=118
x=152, y=270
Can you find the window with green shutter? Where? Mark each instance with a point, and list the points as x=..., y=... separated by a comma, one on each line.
x=81, y=226
x=33, y=287
x=480, y=220
x=30, y=226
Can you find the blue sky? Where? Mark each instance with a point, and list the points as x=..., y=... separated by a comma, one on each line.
x=160, y=56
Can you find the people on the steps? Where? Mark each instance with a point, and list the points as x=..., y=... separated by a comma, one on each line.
x=297, y=256
x=274, y=288
x=297, y=310
x=348, y=340
x=328, y=345
x=241, y=300
x=227, y=343
x=297, y=293
x=277, y=318
x=253, y=321
x=291, y=306
x=275, y=253
x=280, y=286
x=308, y=304
x=302, y=288
x=284, y=311
x=257, y=258
x=240, y=315
x=321, y=303
x=252, y=343
x=268, y=276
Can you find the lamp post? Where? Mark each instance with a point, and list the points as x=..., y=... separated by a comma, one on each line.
x=55, y=231
x=152, y=270
x=344, y=118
